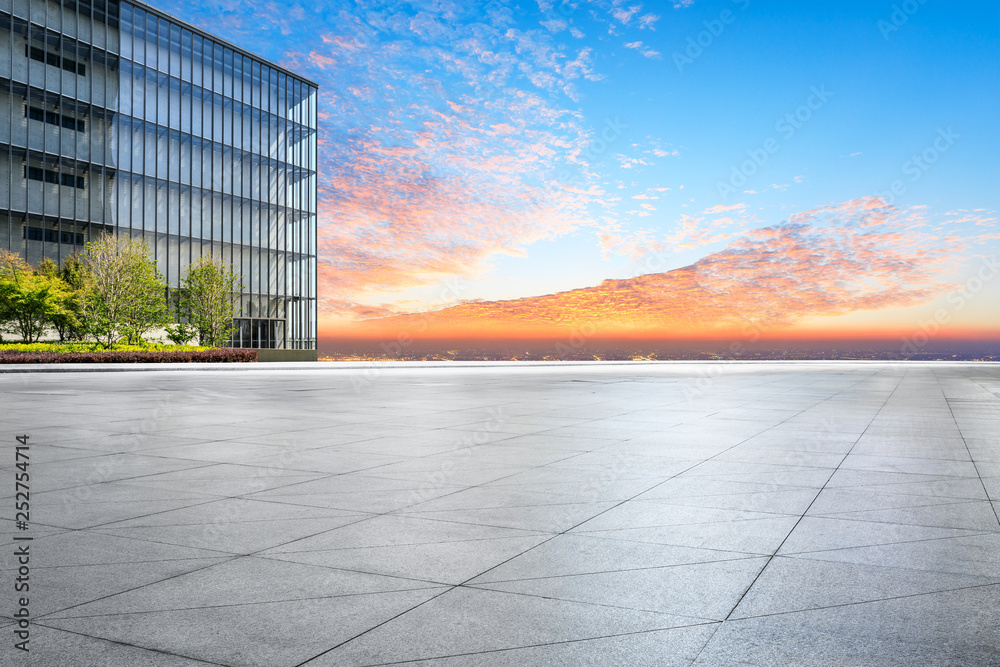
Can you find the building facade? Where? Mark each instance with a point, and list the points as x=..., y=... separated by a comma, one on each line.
x=118, y=118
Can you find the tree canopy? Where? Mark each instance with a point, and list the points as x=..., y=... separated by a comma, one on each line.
x=122, y=294
x=207, y=299
x=30, y=300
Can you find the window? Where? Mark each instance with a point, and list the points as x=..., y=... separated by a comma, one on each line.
x=55, y=60
x=49, y=176
x=53, y=118
x=53, y=236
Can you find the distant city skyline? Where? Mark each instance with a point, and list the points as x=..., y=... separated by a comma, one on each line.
x=617, y=170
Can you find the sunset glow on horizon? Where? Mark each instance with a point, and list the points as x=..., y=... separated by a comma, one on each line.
x=685, y=171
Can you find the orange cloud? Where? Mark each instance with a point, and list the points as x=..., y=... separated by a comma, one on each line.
x=855, y=258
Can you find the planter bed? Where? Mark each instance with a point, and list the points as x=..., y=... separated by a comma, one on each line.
x=225, y=355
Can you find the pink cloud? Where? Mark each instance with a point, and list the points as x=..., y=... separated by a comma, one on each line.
x=773, y=277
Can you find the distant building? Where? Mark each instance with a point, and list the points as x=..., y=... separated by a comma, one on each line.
x=116, y=117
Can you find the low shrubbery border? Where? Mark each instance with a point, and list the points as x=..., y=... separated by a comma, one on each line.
x=223, y=355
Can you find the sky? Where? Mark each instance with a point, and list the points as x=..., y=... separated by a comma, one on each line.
x=647, y=169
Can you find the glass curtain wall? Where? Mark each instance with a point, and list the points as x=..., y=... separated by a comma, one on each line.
x=123, y=119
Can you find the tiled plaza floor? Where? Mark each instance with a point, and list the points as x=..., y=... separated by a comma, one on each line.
x=620, y=514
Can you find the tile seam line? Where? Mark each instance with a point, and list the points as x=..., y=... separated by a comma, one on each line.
x=135, y=588
x=374, y=627
x=302, y=664
x=900, y=568
x=843, y=517
x=484, y=584
x=136, y=646
x=863, y=602
x=818, y=493
x=529, y=646
x=53, y=619
x=563, y=532
x=804, y=555
x=231, y=554
x=965, y=442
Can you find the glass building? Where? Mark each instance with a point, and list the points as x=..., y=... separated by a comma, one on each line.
x=116, y=117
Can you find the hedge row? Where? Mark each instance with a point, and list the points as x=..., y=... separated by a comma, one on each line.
x=89, y=346
x=227, y=355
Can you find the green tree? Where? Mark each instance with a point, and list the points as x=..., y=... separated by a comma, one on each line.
x=122, y=296
x=180, y=334
x=29, y=300
x=207, y=298
x=67, y=321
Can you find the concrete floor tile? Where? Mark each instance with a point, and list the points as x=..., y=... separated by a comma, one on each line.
x=908, y=465
x=217, y=513
x=67, y=510
x=360, y=501
x=591, y=487
x=789, y=501
x=228, y=480
x=74, y=548
x=234, y=537
x=623, y=509
x=439, y=562
x=276, y=634
x=823, y=533
x=970, y=515
x=654, y=513
x=799, y=583
x=223, y=451
x=860, y=499
x=852, y=477
x=67, y=587
x=656, y=648
x=243, y=581
x=93, y=470
x=706, y=591
x=552, y=517
x=574, y=554
x=950, y=628
x=466, y=620
x=488, y=497
x=696, y=487
x=389, y=530
x=750, y=536
x=976, y=555
x=50, y=647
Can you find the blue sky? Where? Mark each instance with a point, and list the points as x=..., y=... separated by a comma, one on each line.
x=506, y=150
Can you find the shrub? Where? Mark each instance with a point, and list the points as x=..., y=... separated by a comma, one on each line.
x=180, y=334
x=89, y=346
x=223, y=355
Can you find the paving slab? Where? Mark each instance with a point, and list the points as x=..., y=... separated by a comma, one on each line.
x=447, y=514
